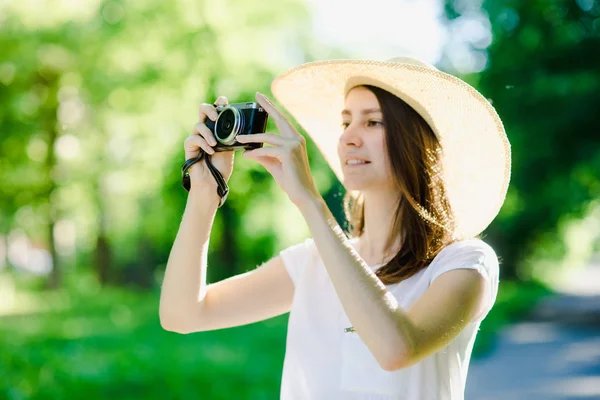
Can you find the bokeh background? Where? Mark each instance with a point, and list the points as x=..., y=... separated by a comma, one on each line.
x=97, y=96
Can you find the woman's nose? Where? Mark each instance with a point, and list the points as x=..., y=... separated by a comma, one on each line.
x=350, y=137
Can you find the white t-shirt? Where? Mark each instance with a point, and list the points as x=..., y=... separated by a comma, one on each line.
x=324, y=362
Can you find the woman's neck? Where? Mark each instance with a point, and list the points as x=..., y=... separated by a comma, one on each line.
x=379, y=214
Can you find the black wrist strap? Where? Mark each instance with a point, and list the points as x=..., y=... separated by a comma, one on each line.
x=222, y=188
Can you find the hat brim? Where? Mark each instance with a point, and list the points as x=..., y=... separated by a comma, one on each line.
x=476, y=152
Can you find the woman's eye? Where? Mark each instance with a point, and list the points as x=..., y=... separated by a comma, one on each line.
x=345, y=124
x=375, y=123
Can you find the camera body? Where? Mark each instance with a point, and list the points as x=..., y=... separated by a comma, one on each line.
x=237, y=119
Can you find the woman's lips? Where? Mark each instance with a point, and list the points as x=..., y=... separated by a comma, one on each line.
x=356, y=165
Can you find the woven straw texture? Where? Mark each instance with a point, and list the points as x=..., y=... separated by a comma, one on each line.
x=476, y=151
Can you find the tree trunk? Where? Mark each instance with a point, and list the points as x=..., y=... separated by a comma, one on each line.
x=49, y=118
x=227, y=252
x=102, y=258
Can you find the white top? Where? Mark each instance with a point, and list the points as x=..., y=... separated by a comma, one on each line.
x=324, y=362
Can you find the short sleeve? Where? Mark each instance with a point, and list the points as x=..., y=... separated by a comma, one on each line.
x=297, y=259
x=472, y=254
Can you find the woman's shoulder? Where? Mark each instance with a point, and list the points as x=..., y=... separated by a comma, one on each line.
x=471, y=253
x=302, y=246
x=472, y=248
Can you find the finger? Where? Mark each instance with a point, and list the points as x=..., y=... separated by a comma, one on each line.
x=274, y=112
x=207, y=110
x=206, y=133
x=221, y=101
x=273, y=152
x=193, y=142
x=269, y=107
x=269, y=138
x=270, y=164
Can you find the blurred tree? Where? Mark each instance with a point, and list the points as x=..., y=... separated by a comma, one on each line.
x=29, y=126
x=543, y=77
x=97, y=98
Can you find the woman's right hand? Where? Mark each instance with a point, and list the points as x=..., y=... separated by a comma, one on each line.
x=203, y=138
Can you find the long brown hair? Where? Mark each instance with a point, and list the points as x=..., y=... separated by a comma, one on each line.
x=423, y=212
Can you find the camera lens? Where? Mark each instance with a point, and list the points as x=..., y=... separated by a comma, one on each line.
x=228, y=125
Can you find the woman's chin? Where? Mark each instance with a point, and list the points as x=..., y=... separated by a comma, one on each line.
x=354, y=184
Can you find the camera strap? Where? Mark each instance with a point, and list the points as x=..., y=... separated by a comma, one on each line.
x=222, y=188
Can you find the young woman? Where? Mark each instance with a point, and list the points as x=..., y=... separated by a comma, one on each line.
x=391, y=312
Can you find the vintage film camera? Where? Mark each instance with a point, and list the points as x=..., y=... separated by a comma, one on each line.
x=237, y=119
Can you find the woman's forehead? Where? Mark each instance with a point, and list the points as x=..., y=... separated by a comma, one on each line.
x=360, y=99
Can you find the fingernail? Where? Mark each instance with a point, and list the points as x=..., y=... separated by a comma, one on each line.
x=264, y=97
x=268, y=99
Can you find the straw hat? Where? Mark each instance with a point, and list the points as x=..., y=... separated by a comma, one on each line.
x=476, y=152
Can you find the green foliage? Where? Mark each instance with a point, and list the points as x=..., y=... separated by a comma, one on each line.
x=98, y=100
x=543, y=78
x=95, y=343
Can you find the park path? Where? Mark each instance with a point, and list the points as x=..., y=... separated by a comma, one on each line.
x=552, y=355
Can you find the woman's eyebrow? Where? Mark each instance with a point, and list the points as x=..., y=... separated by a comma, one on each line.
x=363, y=112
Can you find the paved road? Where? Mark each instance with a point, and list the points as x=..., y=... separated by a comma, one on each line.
x=555, y=355
x=539, y=360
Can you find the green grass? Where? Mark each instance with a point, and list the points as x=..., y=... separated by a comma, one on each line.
x=109, y=345
x=92, y=343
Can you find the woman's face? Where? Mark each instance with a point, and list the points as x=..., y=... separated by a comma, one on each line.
x=363, y=138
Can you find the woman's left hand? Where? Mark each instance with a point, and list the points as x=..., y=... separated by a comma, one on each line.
x=286, y=159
